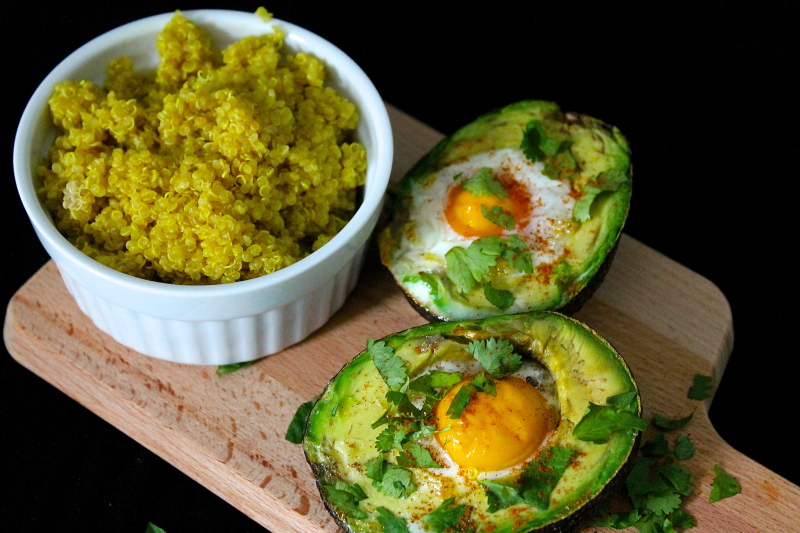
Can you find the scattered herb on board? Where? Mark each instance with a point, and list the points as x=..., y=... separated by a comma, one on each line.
x=297, y=427
x=701, y=387
x=233, y=367
x=658, y=483
x=723, y=486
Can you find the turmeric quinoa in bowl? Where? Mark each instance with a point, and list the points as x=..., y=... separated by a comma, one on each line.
x=206, y=181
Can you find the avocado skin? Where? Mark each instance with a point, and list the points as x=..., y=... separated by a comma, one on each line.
x=501, y=128
x=480, y=328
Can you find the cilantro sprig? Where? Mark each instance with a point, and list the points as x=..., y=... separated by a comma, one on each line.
x=468, y=267
x=446, y=516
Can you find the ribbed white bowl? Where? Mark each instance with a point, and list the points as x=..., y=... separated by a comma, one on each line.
x=219, y=324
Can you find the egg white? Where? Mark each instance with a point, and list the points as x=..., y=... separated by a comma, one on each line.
x=551, y=212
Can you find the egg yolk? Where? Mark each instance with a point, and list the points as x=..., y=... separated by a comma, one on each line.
x=494, y=432
x=465, y=215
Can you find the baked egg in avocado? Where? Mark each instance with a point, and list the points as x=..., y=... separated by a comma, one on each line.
x=520, y=210
x=510, y=423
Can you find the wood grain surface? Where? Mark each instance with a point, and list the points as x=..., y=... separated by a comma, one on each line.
x=227, y=431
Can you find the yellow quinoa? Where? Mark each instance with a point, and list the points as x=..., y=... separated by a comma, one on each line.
x=217, y=167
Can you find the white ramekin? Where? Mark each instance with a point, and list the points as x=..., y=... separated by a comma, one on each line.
x=217, y=324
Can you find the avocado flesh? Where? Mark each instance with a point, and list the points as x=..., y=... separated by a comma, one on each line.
x=599, y=150
x=340, y=439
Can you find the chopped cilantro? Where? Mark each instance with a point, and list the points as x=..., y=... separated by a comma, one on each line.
x=723, y=486
x=481, y=382
x=556, y=155
x=447, y=515
x=233, y=367
x=496, y=356
x=561, y=164
x=346, y=497
x=669, y=424
x=467, y=266
x=600, y=421
x=498, y=216
x=701, y=388
x=297, y=427
x=656, y=447
x=500, y=298
x=535, y=143
x=391, y=368
x=517, y=254
x=415, y=455
x=483, y=183
x=582, y=211
x=435, y=383
x=536, y=482
x=460, y=401
x=684, y=448
x=392, y=480
x=389, y=522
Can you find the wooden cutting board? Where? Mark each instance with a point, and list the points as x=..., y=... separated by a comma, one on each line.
x=227, y=432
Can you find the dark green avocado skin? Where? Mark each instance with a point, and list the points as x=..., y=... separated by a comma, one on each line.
x=600, y=150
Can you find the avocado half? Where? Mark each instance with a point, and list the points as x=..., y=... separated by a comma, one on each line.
x=343, y=429
x=589, y=157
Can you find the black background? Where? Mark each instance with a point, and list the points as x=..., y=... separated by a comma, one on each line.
x=707, y=96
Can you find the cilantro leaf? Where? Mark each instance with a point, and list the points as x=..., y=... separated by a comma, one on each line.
x=600, y=421
x=517, y=254
x=536, y=481
x=467, y=266
x=460, y=402
x=233, y=367
x=435, y=383
x=152, y=528
x=701, y=388
x=484, y=183
x=297, y=427
x=561, y=164
x=498, y=216
x=500, y=496
x=389, y=522
x=684, y=448
x=656, y=447
x=391, y=368
x=582, y=210
x=415, y=455
x=448, y=514
x=667, y=424
x=541, y=475
x=535, y=142
x=500, y=298
x=394, y=481
x=723, y=486
x=346, y=497
x=496, y=356
x=397, y=482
